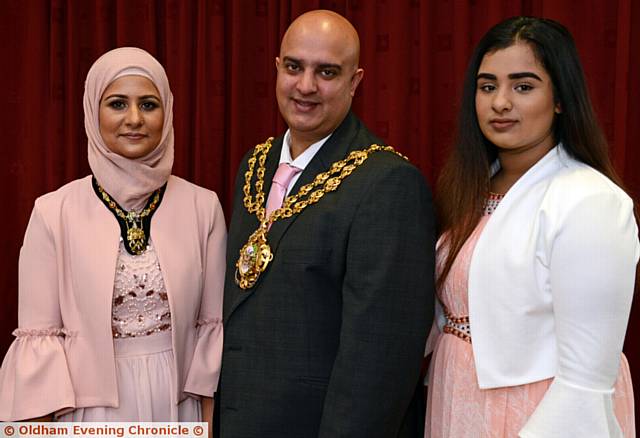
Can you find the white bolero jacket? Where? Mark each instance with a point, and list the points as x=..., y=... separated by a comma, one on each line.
x=550, y=286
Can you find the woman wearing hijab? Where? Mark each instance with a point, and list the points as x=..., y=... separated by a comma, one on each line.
x=537, y=258
x=120, y=272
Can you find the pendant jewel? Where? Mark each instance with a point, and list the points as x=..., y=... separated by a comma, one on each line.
x=136, y=238
x=255, y=255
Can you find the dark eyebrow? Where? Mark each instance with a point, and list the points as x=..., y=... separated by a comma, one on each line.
x=488, y=76
x=320, y=66
x=524, y=74
x=336, y=66
x=124, y=96
x=290, y=59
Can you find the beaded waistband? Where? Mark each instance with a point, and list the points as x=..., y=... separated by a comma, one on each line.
x=457, y=325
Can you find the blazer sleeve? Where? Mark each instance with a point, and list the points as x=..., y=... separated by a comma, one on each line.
x=387, y=309
x=34, y=378
x=204, y=373
x=592, y=273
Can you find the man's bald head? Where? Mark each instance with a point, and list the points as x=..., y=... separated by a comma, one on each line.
x=318, y=75
x=325, y=26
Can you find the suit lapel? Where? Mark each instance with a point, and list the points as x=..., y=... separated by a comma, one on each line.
x=336, y=148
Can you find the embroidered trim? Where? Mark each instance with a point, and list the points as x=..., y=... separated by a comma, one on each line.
x=492, y=201
x=459, y=333
x=208, y=321
x=457, y=325
x=22, y=333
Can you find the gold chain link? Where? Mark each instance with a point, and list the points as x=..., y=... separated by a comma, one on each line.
x=323, y=183
x=256, y=254
x=130, y=215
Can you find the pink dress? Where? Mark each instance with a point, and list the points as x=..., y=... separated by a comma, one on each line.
x=141, y=327
x=456, y=406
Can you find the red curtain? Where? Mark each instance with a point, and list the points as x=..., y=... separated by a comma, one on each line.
x=219, y=56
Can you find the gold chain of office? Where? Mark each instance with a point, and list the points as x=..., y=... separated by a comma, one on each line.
x=256, y=254
x=136, y=236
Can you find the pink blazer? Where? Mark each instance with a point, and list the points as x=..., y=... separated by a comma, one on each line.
x=63, y=352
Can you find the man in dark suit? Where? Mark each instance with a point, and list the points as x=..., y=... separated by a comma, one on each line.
x=327, y=302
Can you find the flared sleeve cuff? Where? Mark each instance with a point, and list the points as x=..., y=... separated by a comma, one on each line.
x=570, y=410
x=204, y=372
x=34, y=378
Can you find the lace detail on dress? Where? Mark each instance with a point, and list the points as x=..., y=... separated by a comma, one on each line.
x=140, y=302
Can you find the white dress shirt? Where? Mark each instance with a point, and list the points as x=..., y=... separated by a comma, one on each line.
x=301, y=160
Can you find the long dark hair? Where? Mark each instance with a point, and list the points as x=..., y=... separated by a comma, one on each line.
x=464, y=181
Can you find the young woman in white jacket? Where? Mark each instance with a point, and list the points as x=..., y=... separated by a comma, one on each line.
x=537, y=255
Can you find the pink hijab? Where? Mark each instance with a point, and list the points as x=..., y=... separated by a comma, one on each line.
x=128, y=181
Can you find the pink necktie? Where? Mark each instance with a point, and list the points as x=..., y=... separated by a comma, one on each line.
x=281, y=181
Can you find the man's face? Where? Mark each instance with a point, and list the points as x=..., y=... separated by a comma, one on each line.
x=317, y=79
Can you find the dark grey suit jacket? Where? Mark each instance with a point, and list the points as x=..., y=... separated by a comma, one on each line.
x=329, y=342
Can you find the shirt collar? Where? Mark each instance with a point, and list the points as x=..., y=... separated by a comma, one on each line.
x=305, y=157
